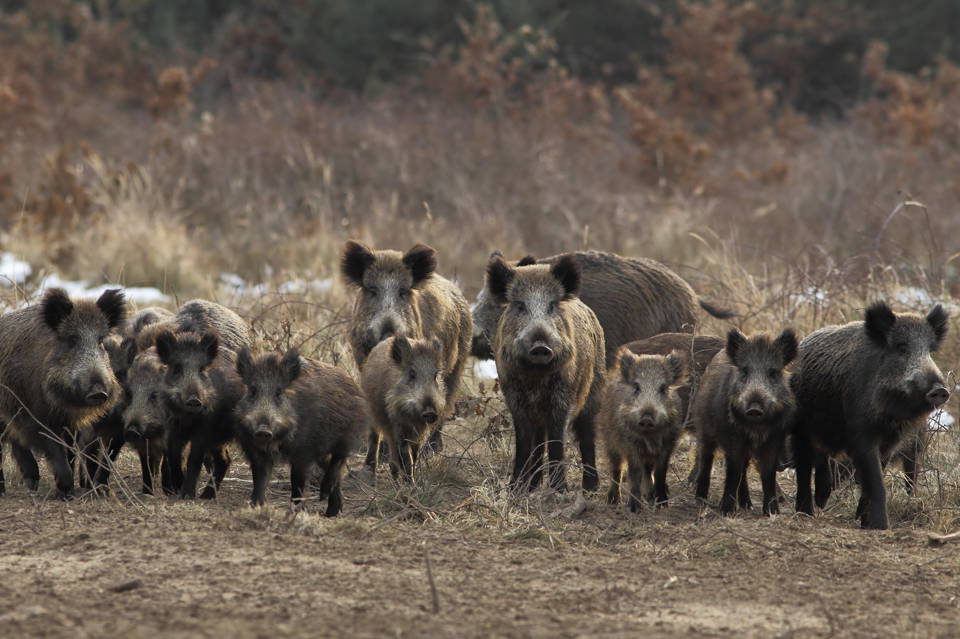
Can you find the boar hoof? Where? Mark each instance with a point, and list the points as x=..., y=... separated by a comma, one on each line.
x=209, y=492
x=591, y=482
x=31, y=484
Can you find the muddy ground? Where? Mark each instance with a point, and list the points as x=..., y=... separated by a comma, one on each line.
x=545, y=566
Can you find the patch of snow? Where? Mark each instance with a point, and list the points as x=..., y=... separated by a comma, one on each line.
x=13, y=270
x=913, y=296
x=137, y=294
x=940, y=420
x=294, y=287
x=485, y=369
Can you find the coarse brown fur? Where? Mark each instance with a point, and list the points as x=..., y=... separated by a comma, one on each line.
x=401, y=293
x=402, y=380
x=549, y=350
x=640, y=420
x=198, y=316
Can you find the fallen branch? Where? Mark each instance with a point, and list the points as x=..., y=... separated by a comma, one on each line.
x=939, y=540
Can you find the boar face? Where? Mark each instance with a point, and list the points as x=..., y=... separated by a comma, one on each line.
x=187, y=358
x=389, y=285
x=645, y=394
x=147, y=415
x=78, y=373
x=760, y=391
x=533, y=330
x=266, y=411
x=909, y=382
x=419, y=396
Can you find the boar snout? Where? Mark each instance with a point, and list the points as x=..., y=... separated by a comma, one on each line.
x=754, y=410
x=263, y=435
x=97, y=395
x=938, y=396
x=540, y=354
x=193, y=403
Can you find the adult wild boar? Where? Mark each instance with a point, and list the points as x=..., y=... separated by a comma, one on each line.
x=549, y=350
x=864, y=389
x=301, y=410
x=641, y=419
x=745, y=406
x=56, y=377
x=197, y=316
x=401, y=293
x=403, y=382
x=633, y=298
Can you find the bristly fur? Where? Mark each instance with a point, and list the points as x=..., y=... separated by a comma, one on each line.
x=357, y=258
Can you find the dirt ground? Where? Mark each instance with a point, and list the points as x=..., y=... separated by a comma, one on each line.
x=545, y=566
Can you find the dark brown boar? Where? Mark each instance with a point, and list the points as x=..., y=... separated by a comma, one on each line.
x=147, y=419
x=403, y=294
x=56, y=377
x=301, y=410
x=403, y=381
x=550, y=360
x=198, y=316
x=864, y=389
x=633, y=298
x=745, y=406
x=201, y=386
x=641, y=419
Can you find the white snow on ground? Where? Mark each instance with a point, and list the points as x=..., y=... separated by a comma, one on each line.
x=940, y=420
x=485, y=369
x=914, y=296
x=13, y=270
x=240, y=287
x=295, y=287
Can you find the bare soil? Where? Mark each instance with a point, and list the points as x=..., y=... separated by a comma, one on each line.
x=548, y=565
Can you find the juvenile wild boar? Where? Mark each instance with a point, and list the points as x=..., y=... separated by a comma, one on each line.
x=641, y=419
x=56, y=377
x=550, y=360
x=745, y=406
x=863, y=389
x=201, y=386
x=301, y=410
x=633, y=298
x=197, y=316
x=403, y=381
x=147, y=419
x=403, y=294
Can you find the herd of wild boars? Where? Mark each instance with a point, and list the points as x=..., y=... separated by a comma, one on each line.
x=601, y=346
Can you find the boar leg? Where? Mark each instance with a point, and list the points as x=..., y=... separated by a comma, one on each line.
x=616, y=478
x=3, y=482
x=27, y=464
x=743, y=488
x=660, y=480
x=221, y=462
x=173, y=461
x=58, y=458
x=909, y=456
x=556, y=434
x=705, y=454
x=637, y=488
x=585, y=432
x=373, y=451
x=873, y=496
x=112, y=445
x=154, y=460
x=522, y=457
x=144, y=455
x=803, y=457
x=194, y=462
x=261, y=467
x=298, y=481
x=823, y=480
x=330, y=486
x=767, y=462
x=734, y=479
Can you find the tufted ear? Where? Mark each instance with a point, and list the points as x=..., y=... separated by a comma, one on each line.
x=422, y=262
x=401, y=349
x=244, y=364
x=567, y=272
x=113, y=304
x=527, y=260
x=210, y=343
x=676, y=363
x=499, y=276
x=56, y=306
x=626, y=364
x=938, y=318
x=878, y=321
x=735, y=341
x=164, y=343
x=355, y=261
x=290, y=366
x=787, y=344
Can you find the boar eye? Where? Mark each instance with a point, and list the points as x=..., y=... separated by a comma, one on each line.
x=372, y=292
x=253, y=392
x=412, y=375
x=520, y=307
x=663, y=389
x=177, y=370
x=279, y=393
x=745, y=371
x=902, y=348
x=153, y=398
x=73, y=340
x=636, y=388
x=773, y=373
x=552, y=307
x=404, y=292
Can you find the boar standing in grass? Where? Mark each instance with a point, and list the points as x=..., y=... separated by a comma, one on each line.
x=56, y=378
x=745, y=406
x=201, y=387
x=404, y=383
x=147, y=419
x=550, y=360
x=633, y=298
x=641, y=420
x=401, y=293
x=301, y=410
x=864, y=389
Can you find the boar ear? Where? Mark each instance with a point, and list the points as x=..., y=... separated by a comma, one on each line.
x=244, y=363
x=567, y=272
x=56, y=305
x=937, y=319
x=735, y=341
x=878, y=321
x=129, y=349
x=496, y=253
x=527, y=260
x=627, y=363
x=422, y=262
x=164, y=343
x=499, y=276
x=787, y=344
x=113, y=304
x=356, y=259
x=290, y=365
x=210, y=342
x=400, y=349
x=676, y=363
